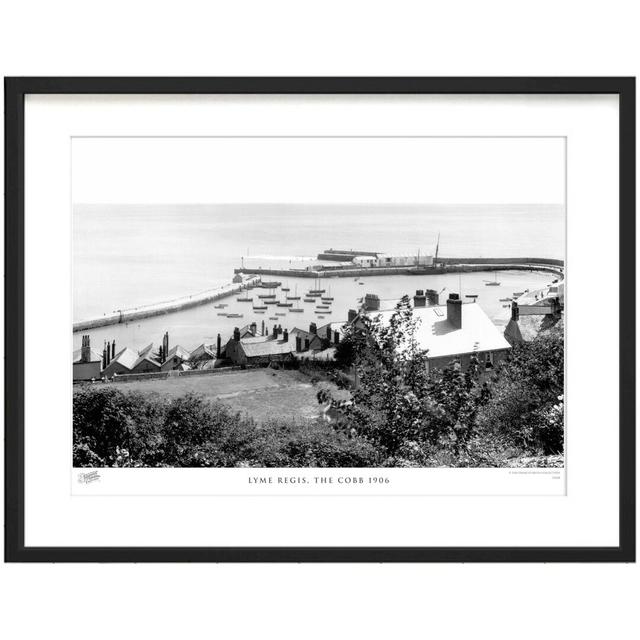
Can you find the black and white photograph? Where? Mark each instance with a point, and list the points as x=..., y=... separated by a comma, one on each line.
x=369, y=319
x=328, y=334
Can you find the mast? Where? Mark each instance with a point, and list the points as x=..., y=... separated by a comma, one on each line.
x=435, y=261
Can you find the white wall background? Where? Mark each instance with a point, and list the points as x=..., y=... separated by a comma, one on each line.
x=329, y=38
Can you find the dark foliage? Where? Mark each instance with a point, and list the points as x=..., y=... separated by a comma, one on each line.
x=113, y=428
x=451, y=417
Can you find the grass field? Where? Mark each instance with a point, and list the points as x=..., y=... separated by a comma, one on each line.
x=259, y=393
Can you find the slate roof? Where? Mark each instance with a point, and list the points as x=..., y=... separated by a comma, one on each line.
x=204, y=350
x=128, y=358
x=178, y=351
x=266, y=346
x=528, y=328
x=435, y=333
x=334, y=326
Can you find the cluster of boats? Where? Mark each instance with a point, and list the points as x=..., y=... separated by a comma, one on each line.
x=263, y=302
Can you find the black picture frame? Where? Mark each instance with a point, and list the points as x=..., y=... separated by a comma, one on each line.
x=15, y=91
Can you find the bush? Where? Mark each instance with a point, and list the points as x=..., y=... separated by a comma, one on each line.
x=112, y=429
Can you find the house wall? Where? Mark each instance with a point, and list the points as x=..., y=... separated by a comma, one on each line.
x=465, y=359
x=235, y=352
x=172, y=363
x=115, y=367
x=264, y=360
x=145, y=367
x=86, y=370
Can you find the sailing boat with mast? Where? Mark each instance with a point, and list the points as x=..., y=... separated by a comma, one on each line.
x=328, y=298
x=317, y=291
x=494, y=282
x=294, y=297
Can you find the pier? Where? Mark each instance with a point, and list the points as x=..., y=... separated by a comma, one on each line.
x=161, y=308
x=445, y=265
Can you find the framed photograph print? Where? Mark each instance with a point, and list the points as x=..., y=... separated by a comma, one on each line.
x=320, y=319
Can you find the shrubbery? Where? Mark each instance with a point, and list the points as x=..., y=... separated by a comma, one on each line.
x=117, y=429
x=452, y=417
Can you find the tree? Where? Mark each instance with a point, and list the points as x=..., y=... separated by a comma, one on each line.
x=526, y=407
x=396, y=400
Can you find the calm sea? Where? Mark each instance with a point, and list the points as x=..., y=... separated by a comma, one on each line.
x=128, y=256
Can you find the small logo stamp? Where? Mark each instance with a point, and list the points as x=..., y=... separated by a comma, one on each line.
x=88, y=477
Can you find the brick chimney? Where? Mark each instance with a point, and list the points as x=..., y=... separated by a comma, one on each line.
x=218, y=346
x=85, y=350
x=336, y=337
x=113, y=349
x=454, y=310
x=254, y=328
x=515, y=311
x=313, y=328
x=285, y=336
x=419, y=300
x=236, y=334
x=432, y=297
x=275, y=330
x=371, y=302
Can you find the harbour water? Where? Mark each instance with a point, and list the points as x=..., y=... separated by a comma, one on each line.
x=129, y=256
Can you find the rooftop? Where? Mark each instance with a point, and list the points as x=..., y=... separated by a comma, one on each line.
x=435, y=333
x=178, y=351
x=127, y=358
x=266, y=346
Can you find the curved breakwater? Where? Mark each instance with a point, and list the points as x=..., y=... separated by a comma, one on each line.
x=449, y=266
x=162, y=308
